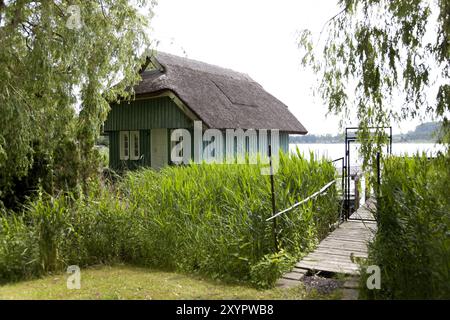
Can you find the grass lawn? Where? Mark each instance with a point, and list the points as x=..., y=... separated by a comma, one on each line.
x=126, y=282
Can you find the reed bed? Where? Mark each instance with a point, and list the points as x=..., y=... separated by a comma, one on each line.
x=208, y=219
x=412, y=245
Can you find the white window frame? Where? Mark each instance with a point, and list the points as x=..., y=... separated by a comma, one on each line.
x=129, y=151
x=124, y=152
x=135, y=152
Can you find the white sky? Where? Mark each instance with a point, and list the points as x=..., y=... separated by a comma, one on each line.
x=257, y=37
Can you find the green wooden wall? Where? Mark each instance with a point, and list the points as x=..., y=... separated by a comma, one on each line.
x=114, y=153
x=145, y=148
x=146, y=114
x=142, y=115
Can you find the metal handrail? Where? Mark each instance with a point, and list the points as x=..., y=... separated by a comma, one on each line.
x=315, y=194
x=338, y=159
x=343, y=170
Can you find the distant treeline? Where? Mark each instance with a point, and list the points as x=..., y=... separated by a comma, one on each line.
x=425, y=132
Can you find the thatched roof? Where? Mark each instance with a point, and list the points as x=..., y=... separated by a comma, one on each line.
x=220, y=97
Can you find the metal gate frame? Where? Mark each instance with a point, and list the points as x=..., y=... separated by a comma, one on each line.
x=349, y=138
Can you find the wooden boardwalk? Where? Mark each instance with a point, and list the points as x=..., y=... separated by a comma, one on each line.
x=336, y=253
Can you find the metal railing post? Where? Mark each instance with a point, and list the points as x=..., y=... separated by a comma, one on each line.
x=342, y=159
x=275, y=238
x=378, y=174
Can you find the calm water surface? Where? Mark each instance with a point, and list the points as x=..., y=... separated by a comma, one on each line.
x=336, y=150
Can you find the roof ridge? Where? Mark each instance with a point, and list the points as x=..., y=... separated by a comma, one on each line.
x=208, y=69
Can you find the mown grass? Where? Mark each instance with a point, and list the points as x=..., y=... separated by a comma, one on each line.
x=198, y=219
x=128, y=282
x=412, y=245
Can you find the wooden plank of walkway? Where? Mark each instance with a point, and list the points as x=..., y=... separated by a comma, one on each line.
x=336, y=252
x=350, y=239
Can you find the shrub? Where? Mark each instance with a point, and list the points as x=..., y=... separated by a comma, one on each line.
x=270, y=268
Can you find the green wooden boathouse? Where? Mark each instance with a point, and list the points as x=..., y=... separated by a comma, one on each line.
x=173, y=94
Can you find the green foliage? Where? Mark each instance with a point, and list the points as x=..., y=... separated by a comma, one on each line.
x=412, y=246
x=53, y=232
x=270, y=268
x=19, y=253
x=50, y=66
x=207, y=219
x=379, y=61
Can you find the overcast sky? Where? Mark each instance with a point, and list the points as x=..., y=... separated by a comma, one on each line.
x=257, y=37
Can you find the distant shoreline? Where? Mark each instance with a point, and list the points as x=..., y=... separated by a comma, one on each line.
x=423, y=133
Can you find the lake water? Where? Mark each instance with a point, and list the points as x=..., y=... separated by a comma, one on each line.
x=336, y=150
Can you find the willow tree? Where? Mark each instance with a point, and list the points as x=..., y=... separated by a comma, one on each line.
x=57, y=57
x=383, y=61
